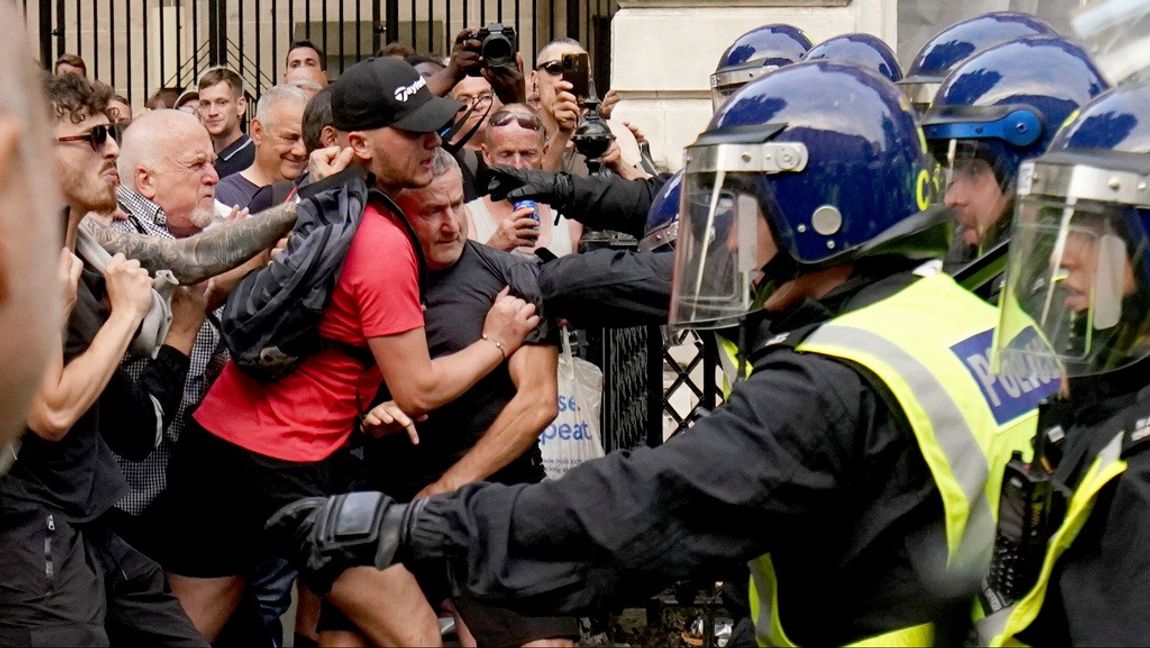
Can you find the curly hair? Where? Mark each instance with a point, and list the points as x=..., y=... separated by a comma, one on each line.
x=75, y=98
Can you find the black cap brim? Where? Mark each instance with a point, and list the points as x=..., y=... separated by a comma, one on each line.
x=433, y=115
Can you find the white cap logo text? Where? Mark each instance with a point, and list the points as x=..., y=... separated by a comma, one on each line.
x=405, y=93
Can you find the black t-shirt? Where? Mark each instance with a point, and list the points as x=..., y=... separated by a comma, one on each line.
x=78, y=475
x=458, y=299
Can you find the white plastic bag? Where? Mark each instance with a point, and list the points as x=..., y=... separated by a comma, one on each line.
x=573, y=437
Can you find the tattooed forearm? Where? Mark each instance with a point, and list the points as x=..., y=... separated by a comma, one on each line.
x=204, y=255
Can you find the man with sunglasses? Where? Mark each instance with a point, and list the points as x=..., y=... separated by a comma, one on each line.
x=67, y=578
x=515, y=139
x=561, y=112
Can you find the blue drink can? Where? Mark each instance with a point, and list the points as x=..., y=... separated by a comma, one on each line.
x=520, y=204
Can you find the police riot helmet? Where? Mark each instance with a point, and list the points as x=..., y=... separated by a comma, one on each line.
x=866, y=50
x=1078, y=277
x=663, y=217
x=959, y=42
x=993, y=111
x=754, y=54
x=813, y=165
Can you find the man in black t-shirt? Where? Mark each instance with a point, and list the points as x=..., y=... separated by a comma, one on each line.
x=66, y=577
x=491, y=431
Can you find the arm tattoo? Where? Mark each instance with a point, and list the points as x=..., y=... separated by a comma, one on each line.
x=204, y=255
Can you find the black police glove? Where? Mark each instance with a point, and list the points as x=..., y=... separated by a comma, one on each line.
x=325, y=536
x=554, y=189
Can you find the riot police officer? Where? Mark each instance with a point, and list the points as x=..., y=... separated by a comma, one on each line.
x=856, y=468
x=1075, y=569
x=755, y=53
x=994, y=110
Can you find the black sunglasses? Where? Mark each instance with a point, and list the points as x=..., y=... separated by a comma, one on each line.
x=525, y=120
x=554, y=68
x=96, y=137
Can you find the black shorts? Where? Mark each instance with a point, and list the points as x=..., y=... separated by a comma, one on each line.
x=492, y=625
x=219, y=496
x=64, y=584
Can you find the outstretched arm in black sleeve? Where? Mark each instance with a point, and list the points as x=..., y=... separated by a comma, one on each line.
x=609, y=288
x=599, y=203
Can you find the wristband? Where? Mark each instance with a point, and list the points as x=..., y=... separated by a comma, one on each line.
x=497, y=343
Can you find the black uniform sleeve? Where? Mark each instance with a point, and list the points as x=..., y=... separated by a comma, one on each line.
x=127, y=411
x=613, y=203
x=777, y=458
x=608, y=288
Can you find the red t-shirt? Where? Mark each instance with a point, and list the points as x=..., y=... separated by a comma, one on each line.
x=309, y=413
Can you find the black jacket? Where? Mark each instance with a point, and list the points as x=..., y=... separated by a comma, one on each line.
x=1099, y=591
x=808, y=460
x=612, y=288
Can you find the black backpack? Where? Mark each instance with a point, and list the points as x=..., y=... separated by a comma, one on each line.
x=270, y=321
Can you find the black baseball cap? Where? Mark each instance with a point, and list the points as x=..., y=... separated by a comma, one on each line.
x=386, y=91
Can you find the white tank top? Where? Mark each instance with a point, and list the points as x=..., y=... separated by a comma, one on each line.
x=560, y=243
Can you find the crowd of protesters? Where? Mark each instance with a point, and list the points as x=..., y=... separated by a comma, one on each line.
x=424, y=222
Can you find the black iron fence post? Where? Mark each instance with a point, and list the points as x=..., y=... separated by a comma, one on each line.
x=573, y=20
x=46, y=34
x=391, y=21
x=218, y=32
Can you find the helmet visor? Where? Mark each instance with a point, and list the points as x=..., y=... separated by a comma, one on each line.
x=978, y=185
x=718, y=249
x=1076, y=287
x=919, y=93
x=726, y=81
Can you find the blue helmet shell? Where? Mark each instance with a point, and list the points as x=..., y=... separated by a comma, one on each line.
x=663, y=216
x=966, y=38
x=770, y=45
x=866, y=158
x=1039, y=80
x=866, y=50
x=1118, y=120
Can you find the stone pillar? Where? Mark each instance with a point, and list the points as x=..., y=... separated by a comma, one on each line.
x=664, y=51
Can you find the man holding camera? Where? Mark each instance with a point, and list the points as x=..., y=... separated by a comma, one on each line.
x=562, y=110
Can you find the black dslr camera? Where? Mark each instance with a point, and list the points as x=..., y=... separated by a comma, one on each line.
x=497, y=45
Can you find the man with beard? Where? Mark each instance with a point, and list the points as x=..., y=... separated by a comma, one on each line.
x=67, y=578
x=994, y=110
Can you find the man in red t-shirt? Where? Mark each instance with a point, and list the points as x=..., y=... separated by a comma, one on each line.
x=255, y=446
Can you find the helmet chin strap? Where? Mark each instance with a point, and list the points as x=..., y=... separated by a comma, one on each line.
x=776, y=272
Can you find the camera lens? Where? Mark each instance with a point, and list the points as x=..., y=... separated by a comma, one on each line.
x=497, y=50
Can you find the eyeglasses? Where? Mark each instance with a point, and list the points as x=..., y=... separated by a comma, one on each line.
x=554, y=68
x=525, y=120
x=476, y=99
x=96, y=137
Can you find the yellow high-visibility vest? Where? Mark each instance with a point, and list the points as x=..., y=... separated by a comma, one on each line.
x=930, y=345
x=730, y=363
